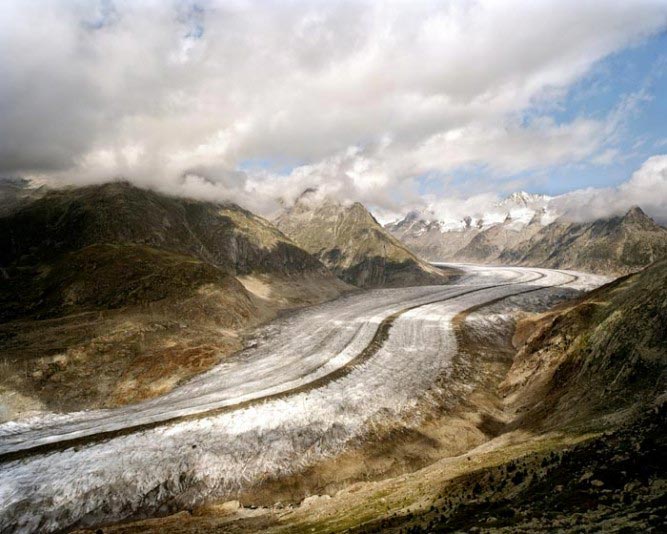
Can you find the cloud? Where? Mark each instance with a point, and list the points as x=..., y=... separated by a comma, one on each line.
x=363, y=97
x=647, y=188
x=607, y=157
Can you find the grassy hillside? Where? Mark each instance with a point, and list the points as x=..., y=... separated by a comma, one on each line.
x=604, y=354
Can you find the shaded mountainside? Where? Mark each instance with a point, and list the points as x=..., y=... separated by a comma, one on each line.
x=16, y=192
x=618, y=245
x=348, y=240
x=110, y=293
x=612, y=483
x=223, y=235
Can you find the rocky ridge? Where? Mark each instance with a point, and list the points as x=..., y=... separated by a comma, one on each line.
x=617, y=245
x=348, y=240
x=478, y=236
x=528, y=230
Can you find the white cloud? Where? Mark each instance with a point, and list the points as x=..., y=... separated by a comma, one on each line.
x=606, y=157
x=365, y=96
x=647, y=188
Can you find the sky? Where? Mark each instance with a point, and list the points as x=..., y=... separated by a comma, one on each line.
x=399, y=105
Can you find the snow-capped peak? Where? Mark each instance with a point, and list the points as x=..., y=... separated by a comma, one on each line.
x=517, y=210
x=521, y=198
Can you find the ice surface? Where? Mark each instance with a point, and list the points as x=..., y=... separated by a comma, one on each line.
x=213, y=456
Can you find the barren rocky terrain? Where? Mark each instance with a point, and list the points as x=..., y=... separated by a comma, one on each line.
x=348, y=240
x=113, y=294
x=562, y=428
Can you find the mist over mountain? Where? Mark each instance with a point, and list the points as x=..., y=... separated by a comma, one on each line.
x=619, y=245
x=478, y=235
x=362, y=102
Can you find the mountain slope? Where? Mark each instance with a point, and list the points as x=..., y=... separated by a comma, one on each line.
x=603, y=354
x=111, y=293
x=489, y=244
x=430, y=238
x=619, y=244
x=479, y=236
x=348, y=240
x=224, y=235
x=16, y=192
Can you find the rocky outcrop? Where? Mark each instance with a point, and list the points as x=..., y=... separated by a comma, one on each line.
x=348, y=240
x=604, y=354
x=488, y=245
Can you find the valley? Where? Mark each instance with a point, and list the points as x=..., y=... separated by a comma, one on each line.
x=333, y=267
x=316, y=381
x=194, y=368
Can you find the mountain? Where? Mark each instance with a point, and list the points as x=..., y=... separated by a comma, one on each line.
x=432, y=239
x=112, y=293
x=15, y=192
x=224, y=235
x=478, y=236
x=490, y=243
x=526, y=229
x=602, y=354
x=348, y=240
x=619, y=244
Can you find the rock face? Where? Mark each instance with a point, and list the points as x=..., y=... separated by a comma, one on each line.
x=478, y=237
x=601, y=354
x=488, y=245
x=112, y=293
x=430, y=238
x=528, y=230
x=348, y=240
x=617, y=245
